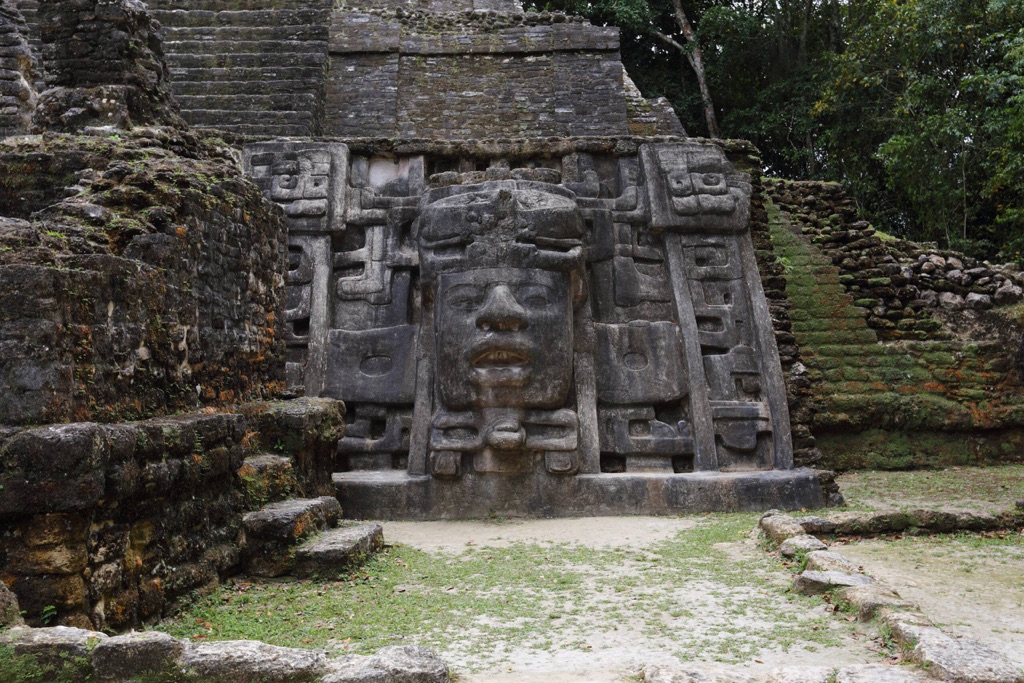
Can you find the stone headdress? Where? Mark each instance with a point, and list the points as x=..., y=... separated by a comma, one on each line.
x=505, y=223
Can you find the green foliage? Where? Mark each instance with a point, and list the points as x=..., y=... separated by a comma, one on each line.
x=922, y=118
x=479, y=603
x=917, y=106
x=15, y=668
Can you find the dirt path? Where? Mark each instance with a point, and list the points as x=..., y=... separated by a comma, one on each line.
x=967, y=587
x=679, y=601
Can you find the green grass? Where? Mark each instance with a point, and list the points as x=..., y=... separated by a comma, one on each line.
x=483, y=602
x=972, y=487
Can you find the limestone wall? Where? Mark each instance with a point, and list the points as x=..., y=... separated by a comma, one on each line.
x=104, y=526
x=908, y=356
x=17, y=73
x=153, y=287
x=472, y=75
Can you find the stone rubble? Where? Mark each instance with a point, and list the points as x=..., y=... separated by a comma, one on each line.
x=942, y=657
x=82, y=655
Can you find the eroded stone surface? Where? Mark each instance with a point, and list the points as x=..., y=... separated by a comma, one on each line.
x=150, y=653
x=797, y=545
x=881, y=673
x=338, y=549
x=804, y=674
x=399, y=664
x=244, y=661
x=10, y=612
x=781, y=527
x=959, y=660
x=870, y=598
x=816, y=582
x=698, y=674
x=827, y=560
x=289, y=520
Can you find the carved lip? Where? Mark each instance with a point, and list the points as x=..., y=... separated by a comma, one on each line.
x=499, y=359
x=499, y=355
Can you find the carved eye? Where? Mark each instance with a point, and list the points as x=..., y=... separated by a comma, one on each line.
x=712, y=179
x=535, y=296
x=465, y=297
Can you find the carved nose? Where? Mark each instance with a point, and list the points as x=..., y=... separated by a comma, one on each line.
x=501, y=312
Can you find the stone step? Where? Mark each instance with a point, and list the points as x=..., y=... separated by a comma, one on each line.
x=216, y=5
x=272, y=532
x=268, y=47
x=246, y=76
x=297, y=120
x=202, y=60
x=863, y=336
x=290, y=102
x=337, y=550
x=263, y=130
x=266, y=478
x=194, y=82
x=260, y=17
x=238, y=34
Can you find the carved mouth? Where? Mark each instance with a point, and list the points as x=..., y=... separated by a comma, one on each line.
x=499, y=358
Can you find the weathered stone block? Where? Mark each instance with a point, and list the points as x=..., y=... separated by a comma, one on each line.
x=811, y=582
x=400, y=664
x=825, y=560
x=797, y=545
x=871, y=599
x=136, y=655
x=336, y=550
x=243, y=661
x=10, y=611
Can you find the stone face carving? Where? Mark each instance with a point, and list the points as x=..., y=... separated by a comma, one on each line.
x=492, y=329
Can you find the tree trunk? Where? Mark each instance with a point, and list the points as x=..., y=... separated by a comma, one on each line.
x=695, y=57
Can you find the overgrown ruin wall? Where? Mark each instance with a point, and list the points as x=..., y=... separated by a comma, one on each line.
x=140, y=275
x=908, y=356
x=105, y=526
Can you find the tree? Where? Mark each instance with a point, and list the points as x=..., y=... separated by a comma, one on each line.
x=919, y=118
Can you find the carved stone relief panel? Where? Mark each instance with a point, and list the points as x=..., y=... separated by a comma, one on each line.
x=495, y=325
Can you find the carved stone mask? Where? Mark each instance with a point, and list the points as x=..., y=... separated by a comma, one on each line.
x=504, y=338
x=505, y=260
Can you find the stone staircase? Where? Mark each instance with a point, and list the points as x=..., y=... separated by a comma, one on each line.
x=298, y=536
x=891, y=402
x=258, y=69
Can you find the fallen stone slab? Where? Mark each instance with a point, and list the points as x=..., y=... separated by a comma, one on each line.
x=779, y=527
x=244, y=661
x=956, y=660
x=398, y=664
x=798, y=545
x=338, y=549
x=829, y=561
x=881, y=673
x=816, y=583
x=150, y=653
x=869, y=599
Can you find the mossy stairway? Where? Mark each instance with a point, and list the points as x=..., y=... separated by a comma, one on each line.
x=298, y=536
x=891, y=404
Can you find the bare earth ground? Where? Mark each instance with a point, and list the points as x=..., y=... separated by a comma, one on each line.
x=587, y=647
x=594, y=600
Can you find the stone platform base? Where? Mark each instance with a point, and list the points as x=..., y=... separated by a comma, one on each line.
x=395, y=494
